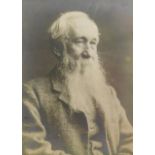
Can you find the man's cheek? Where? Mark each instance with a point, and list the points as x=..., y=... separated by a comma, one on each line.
x=76, y=54
x=74, y=51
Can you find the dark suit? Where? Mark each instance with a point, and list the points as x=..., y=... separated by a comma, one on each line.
x=49, y=123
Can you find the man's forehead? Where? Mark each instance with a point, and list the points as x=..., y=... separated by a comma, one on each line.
x=83, y=27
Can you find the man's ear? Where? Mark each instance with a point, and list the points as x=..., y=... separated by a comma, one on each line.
x=57, y=52
x=57, y=47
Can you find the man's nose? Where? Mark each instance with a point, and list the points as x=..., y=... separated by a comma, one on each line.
x=87, y=46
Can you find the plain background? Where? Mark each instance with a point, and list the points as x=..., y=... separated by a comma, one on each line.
x=114, y=19
x=11, y=77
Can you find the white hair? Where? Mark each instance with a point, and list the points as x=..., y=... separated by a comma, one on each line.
x=60, y=27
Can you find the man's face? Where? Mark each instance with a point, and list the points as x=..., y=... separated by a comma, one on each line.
x=83, y=41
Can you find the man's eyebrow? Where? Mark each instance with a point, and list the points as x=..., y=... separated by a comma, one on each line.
x=80, y=37
x=85, y=39
x=94, y=39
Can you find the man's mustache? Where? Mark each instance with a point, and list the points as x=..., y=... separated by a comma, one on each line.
x=85, y=55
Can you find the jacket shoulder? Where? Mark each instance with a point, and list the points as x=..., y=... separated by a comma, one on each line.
x=38, y=83
x=38, y=91
x=38, y=87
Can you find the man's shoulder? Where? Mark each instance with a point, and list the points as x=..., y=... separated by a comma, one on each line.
x=38, y=83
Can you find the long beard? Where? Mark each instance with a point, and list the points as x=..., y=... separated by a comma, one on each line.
x=85, y=81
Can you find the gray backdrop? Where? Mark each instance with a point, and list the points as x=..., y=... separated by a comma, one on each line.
x=114, y=18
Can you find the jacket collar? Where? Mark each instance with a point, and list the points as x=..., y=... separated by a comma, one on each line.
x=58, y=85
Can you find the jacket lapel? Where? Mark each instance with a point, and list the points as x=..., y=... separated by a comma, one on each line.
x=58, y=85
x=73, y=136
x=107, y=113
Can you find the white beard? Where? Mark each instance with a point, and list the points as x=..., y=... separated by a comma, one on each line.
x=85, y=82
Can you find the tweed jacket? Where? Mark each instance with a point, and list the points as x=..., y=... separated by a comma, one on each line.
x=50, y=125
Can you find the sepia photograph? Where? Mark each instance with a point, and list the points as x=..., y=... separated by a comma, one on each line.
x=77, y=76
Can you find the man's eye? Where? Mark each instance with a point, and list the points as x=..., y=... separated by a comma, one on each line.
x=79, y=41
x=93, y=42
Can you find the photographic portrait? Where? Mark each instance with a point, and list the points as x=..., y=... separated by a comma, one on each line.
x=77, y=77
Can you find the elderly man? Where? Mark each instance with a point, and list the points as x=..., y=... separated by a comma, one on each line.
x=73, y=111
